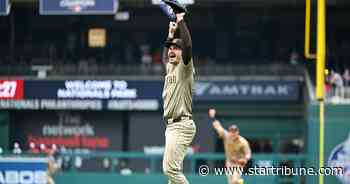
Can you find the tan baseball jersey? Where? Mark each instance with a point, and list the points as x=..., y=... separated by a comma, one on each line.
x=236, y=149
x=178, y=90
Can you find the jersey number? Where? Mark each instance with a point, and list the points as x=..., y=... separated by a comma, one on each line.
x=171, y=79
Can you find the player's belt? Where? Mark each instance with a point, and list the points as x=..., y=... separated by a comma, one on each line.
x=172, y=120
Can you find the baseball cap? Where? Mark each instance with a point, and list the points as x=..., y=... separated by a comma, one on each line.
x=177, y=42
x=176, y=6
x=233, y=128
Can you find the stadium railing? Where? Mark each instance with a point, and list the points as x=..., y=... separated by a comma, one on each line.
x=333, y=94
x=338, y=95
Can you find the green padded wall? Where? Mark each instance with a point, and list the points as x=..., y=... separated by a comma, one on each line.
x=337, y=129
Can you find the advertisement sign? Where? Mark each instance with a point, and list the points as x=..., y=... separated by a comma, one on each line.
x=4, y=7
x=87, y=95
x=73, y=130
x=134, y=94
x=11, y=89
x=23, y=170
x=247, y=90
x=340, y=157
x=121, y=89
x=43, y=104
x=78, y=7
x=92, y=89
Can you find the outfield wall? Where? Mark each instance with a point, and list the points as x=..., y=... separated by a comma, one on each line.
x=337, y=130
x=95, y=178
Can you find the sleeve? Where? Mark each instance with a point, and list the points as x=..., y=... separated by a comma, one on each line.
x=247, y=150
x=224, y=136
x=165, y=58
x=185, y=35
x=218, y=128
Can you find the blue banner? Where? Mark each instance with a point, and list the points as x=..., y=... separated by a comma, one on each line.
x=121, y=89
x=78, y=7
x=250, y=91
x=144, y=95
x=205, y=90
x=23, y=170
x=4, y=7
x=92, y=89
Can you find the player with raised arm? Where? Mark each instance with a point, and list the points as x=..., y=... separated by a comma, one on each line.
x=237, y=149
x=177, y=96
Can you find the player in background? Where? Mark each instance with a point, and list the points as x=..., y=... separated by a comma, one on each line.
x=237, y=149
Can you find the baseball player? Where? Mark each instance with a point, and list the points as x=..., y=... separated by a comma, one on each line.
x=177, y=99
x=237, y=149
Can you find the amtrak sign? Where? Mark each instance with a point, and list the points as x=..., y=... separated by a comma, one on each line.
x=247, y=90
x=340, y=157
